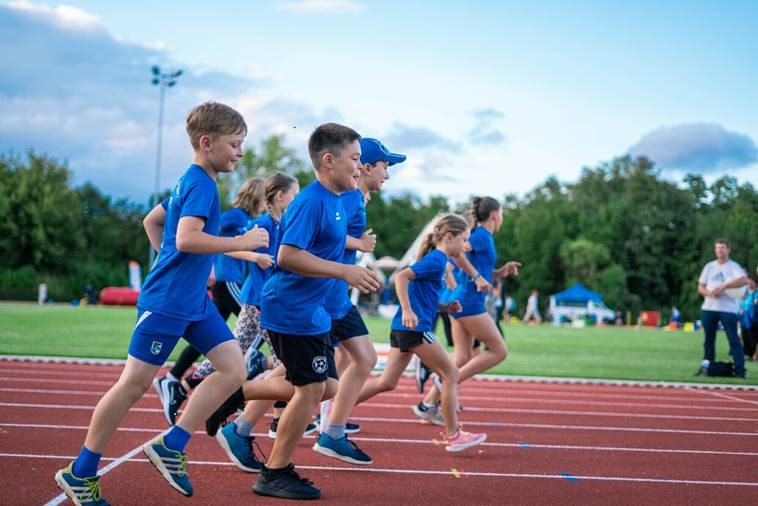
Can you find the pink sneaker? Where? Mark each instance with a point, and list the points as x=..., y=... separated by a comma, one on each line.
x=462, y=440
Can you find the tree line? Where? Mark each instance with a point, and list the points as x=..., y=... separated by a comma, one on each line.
x=621, y=229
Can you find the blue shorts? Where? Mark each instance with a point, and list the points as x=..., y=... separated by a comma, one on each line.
x=156, y=335
x=470, y=307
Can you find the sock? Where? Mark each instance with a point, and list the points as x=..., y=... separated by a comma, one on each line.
x=176, y=438
x=243, y=427
x=336, y=430
x=86, y=463
x=324, y=415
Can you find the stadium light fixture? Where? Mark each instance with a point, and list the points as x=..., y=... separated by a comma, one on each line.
x=163, y=80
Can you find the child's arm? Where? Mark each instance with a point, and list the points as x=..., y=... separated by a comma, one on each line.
x=307, y=264
x=402, y=279
x=449, y=278
x=190, y=238
x=153, y=224
x=507, y=269
x=365, y=243
x=264, y=260
x=482, y=285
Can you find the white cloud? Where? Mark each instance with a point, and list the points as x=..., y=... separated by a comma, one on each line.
x=64, y=16
x=311, y=6
x=699, y=147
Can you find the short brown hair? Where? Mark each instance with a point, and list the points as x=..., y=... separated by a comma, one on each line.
x=330, y=138
x=724, y=242
x=213, y=119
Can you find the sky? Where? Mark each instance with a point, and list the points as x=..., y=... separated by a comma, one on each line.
x=484, y=97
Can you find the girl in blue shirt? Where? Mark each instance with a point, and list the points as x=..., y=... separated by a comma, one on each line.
x=418, y=289
x=473, y=322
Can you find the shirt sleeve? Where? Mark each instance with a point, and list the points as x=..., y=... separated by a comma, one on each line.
x=198, y=201
x=478, y=242
x=302, y=223
x=233, y=220
x=164, y=203
x=703, y=279
x=429, y=267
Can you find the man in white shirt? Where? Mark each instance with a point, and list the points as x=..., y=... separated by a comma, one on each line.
x=532, y=308
x=717, y=276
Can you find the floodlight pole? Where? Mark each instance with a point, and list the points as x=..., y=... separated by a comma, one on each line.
x=163, y=80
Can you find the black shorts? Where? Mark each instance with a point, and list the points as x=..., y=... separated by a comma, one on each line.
x=307, y=359
x=350, y=325
x=405, y=340
x=224, y=299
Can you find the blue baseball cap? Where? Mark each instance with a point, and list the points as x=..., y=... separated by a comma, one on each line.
x=373, y=151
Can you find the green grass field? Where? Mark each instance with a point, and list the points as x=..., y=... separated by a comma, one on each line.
x=612, y=353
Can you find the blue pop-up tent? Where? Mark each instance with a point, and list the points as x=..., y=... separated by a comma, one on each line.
x=577, y=294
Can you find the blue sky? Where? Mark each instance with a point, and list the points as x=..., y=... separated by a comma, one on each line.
x=484, y=97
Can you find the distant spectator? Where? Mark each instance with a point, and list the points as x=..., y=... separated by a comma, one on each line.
x=532, y=308
x=676, y=317
x=749, y=321
x=717, y=276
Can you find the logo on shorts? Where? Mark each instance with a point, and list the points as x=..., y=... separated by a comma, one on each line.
x=155, y=348
x=319, y=364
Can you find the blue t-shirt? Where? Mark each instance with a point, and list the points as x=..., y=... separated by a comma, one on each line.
x=424, y=291
x=482, y=257
x=228, y=268
x=338, y=301
x=291, y=303
x=257, y=277
x=447, y=296
x=176, y=285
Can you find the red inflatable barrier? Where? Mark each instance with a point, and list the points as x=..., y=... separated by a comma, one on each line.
x=119, y=296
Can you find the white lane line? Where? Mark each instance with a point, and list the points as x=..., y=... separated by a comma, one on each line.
x=113, y=465
x=487, y=399
x=551, y=412
x=733, y=398
x=499, y=425
x=456, y=473
x=493, y=378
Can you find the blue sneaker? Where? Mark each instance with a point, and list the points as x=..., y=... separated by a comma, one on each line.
x=239, y=448
x=82, y=491
x=170, y=463
x=256, y=362
x=342, y=449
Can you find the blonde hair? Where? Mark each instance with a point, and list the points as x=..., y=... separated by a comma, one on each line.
x=213, y=119
x=452, y=223
x=250, y=196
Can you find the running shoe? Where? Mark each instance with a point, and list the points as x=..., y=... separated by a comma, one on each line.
x=239, y=448
x=429, y=414
x=462, y=440
x=81, y=491
x=284, y=483
x=342, y=449
x=310, y=429
x=422, y=374
x=256, y=362
x=172, y=395
x=172, y=464
x=218, y=417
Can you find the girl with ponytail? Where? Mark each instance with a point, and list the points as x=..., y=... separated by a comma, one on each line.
x=418, y=290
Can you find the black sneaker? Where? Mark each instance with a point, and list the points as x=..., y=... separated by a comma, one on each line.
x=310, y=429
x=172, y=395
x=284, y=483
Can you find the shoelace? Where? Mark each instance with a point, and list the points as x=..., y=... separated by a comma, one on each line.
x=182, y=470
x=93, y=489
x=290, y=469
x=255, y=446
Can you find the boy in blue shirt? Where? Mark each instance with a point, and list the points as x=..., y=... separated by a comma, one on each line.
x=173, y=303
x=312, y=231
x=348, y=328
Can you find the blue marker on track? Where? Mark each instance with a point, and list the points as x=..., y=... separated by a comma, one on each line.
x=569, y=477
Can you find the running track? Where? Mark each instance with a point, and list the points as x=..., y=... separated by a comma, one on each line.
x=548, y=443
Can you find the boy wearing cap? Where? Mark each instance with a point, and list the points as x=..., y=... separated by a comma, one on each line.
x=313, y=232
x=348, y=329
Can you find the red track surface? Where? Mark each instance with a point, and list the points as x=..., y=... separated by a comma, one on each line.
x=548, y=443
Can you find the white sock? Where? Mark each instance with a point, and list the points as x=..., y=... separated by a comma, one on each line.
x=324, y=413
